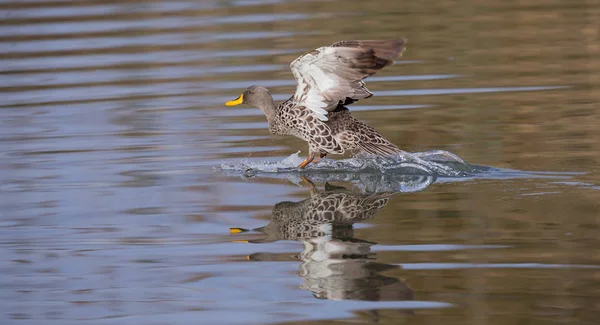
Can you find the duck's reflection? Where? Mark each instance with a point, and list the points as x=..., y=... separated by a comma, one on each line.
x=335, y=265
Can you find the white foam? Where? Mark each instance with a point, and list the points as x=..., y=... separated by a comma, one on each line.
x=432, y=163
x=245, y=165
x=406, y=172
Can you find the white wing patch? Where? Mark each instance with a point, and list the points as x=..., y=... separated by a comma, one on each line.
x=331, y=74
x=308, y=91
x=320, y=88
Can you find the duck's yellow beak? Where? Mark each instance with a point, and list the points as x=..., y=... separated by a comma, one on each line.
x=237, y=230
x=235, y=102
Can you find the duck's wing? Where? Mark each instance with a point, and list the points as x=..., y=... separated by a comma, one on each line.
x=331, y=74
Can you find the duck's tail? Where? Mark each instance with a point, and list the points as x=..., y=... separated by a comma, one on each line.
x=354, y=134
x=371, y=141
x=379, y=146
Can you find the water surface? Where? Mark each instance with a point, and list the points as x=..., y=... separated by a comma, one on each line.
x=115, y=208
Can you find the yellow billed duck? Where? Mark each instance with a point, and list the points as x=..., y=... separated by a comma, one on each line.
x=329, y=78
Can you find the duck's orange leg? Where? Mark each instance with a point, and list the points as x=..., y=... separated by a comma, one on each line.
x=309, y=159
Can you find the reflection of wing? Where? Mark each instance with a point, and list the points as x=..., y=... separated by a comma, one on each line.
x=331, y=74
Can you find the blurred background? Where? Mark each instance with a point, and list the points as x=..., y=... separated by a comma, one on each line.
x=114, y=209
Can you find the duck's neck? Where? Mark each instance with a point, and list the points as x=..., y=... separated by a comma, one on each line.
x=269, y=109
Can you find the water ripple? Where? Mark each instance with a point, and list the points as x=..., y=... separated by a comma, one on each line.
x=61, y=26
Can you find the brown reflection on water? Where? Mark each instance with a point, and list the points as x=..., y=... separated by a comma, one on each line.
x=335, y=265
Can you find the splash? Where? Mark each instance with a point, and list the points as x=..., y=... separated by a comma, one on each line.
x=406, y=172
x=428, y=163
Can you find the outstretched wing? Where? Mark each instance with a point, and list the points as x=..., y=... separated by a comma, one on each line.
x=331, y=74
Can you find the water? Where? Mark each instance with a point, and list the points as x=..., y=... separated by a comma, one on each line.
x=131, y=194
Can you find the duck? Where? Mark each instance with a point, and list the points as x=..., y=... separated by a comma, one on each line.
x=329, y=79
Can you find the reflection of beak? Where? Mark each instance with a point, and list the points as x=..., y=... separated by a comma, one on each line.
x=235, y=102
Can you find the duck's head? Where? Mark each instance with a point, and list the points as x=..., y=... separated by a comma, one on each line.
x=256, y=96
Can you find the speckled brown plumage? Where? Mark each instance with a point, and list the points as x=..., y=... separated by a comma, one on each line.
x=340, y=133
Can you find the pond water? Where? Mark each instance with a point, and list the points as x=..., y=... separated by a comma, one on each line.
x=130, y=194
